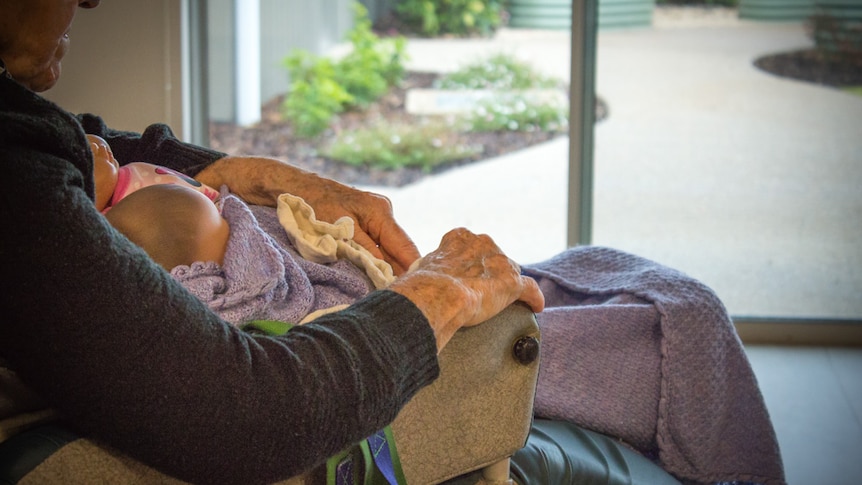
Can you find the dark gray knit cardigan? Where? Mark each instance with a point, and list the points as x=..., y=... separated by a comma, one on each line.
x=129, y=357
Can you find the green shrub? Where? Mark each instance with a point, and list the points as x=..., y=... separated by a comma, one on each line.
x=500, y=71
x=837, y=38
x=516, y=113
x=459, y=17
x=314, y=97
x=321, y=88
x=373, y=65
x=511, y=111
x=393, y=146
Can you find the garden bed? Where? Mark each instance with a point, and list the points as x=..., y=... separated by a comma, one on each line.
x=812, y=65
x=273, y=136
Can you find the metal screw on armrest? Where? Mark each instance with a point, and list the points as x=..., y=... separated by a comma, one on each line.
x=526, y=349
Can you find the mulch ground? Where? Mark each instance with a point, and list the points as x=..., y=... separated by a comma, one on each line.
x=813, y=66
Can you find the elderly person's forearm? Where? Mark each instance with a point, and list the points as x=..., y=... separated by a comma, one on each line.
x=258, y=180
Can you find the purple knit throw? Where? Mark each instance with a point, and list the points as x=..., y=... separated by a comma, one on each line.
x=630, y=348
x=636, y=350
x=263, y=277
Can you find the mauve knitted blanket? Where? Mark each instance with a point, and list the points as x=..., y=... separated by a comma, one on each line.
x=639, y=351
x=630, y=348
x=263, y=277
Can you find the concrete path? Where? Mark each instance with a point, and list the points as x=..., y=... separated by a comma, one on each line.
x=744, y=180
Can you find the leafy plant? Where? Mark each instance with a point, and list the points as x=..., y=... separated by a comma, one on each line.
x=837, y=39
x=517, y=113
x=459, y=17
x=499, y=71
x=373, y=65
x=315, y=96
x=389, y=146
x=511, y=110
x=321, y=88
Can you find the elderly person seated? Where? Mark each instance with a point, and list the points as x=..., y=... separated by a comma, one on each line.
x=124, y=353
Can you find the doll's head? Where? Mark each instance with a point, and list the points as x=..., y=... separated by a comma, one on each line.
x=105, y=169
x=114, y=182
x=174, y=224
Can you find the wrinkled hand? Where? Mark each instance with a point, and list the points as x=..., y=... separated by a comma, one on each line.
x=260, y=180
x=464, y=282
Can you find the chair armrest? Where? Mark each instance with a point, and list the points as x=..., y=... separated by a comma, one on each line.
x=479, y=411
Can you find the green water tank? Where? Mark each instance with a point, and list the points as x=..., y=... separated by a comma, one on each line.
x=557, y=14
x=776, y=10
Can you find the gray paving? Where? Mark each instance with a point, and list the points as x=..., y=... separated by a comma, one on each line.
x=744, y=180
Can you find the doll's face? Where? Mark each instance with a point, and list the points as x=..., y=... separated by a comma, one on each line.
x=105, y=168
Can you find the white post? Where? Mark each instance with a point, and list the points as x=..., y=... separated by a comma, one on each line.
x=247, y=74
x=186, y=70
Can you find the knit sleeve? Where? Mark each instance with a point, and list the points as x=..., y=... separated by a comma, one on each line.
x=156, y=145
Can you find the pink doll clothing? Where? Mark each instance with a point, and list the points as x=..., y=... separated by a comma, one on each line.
x=138, y=175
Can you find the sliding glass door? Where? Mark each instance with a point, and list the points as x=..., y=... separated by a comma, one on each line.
x=742, y=178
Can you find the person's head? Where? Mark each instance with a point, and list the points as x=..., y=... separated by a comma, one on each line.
x=105, y=169
x=34, y=37
x=175, y=225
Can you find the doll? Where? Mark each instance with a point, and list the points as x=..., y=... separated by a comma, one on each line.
x=172, y=217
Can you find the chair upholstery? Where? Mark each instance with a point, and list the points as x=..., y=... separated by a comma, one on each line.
x=480, y=409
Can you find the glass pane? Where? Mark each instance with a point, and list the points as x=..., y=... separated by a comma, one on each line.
x=518, y=198
x=503, y=195
x=704, y=162
x=742, y=178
